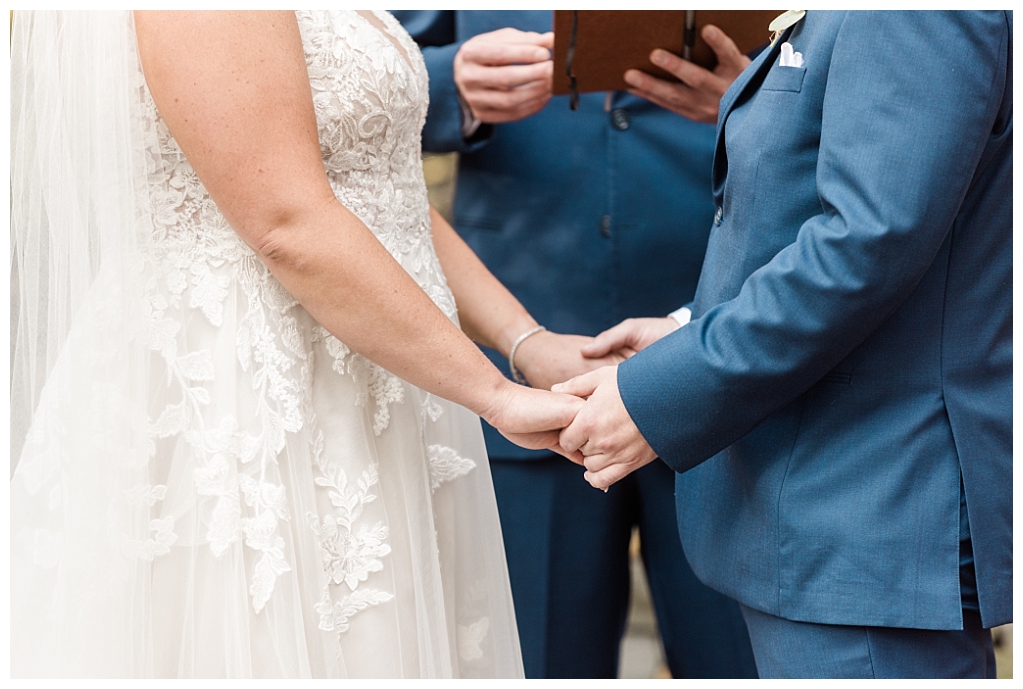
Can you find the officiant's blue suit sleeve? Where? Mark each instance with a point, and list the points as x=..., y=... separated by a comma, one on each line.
x=436, y=33
x=903, y=124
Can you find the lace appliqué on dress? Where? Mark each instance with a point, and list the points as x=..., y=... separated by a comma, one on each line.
x=382, y=388
x=446, y=465
x=470, y=639
x=370, y=106
x=195, y=264
x=350, y=550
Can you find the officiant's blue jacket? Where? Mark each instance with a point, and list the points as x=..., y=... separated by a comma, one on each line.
x=588, y=217
x=850, y=357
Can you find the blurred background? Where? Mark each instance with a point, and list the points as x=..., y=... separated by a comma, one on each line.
x=642, y=657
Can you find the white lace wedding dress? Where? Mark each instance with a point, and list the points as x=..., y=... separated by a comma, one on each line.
x=230, y=490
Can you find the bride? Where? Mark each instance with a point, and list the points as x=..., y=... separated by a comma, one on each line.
x=244, y=414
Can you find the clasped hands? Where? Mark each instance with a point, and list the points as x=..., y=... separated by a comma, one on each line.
x=504, y=76
x=587, y=422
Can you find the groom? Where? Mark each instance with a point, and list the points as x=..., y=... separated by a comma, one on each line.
x=839, y=408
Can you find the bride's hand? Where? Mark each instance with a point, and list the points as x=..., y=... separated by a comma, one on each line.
x=534, y=418
x=548, y=358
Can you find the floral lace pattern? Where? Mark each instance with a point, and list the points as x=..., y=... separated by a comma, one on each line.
x=370, y=133
x=470, y=639
x=446, y=465
x=350, y=550
x=383, y=388
x=370, y=103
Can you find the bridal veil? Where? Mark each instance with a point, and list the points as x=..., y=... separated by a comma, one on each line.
x=79, y=213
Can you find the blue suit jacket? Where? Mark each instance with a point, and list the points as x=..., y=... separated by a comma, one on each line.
x=585, y=222
x=851, y=351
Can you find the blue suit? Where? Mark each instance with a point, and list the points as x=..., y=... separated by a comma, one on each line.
x=849, y=363
x=588, y=217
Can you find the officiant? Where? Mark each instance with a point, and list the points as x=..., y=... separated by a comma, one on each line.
x=588, y=217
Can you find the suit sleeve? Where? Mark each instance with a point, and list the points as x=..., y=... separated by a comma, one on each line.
x=909, y=104
x=435, y=33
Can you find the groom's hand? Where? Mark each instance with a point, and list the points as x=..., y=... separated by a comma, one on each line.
x=603, y=431
x=629, y=337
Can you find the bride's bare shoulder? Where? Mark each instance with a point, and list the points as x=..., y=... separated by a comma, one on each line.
x=190, y=52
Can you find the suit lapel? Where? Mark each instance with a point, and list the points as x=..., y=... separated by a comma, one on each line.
x=732, y=96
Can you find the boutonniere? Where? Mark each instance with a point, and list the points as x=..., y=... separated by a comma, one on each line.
x=784, y=21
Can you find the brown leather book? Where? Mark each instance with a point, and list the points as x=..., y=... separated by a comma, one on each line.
x=609, y=42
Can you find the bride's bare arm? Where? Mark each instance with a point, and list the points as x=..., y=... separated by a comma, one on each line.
x=489, y=313
x=492, y=316
x=234, y=91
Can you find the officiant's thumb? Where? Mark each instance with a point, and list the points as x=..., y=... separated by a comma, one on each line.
x=595, y=349
x=613, y=339
x=580, y=386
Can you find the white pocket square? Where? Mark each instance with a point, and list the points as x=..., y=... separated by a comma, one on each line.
x=789, y=57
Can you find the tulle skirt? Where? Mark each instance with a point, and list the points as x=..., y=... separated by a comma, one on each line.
x=214, y=497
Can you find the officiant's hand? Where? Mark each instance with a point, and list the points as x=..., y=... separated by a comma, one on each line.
x=628, y=337
x=505, y=75
x=548, y=358
x=603, y=431
x=698, y=95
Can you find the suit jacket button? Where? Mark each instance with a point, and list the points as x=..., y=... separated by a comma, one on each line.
x=718, y=214
x=620, y=119
x=605, y=226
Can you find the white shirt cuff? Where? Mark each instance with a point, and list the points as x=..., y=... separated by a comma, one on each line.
x=683, y=315
x=469, y=123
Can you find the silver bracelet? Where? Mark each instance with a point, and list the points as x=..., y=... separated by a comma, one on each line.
x=516, y=376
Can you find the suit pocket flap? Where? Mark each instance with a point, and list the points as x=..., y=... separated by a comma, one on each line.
x=784, y=79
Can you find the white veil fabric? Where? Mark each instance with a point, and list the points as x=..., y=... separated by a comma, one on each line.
x=79, y=197
x=149, y=537
x=78, y=224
